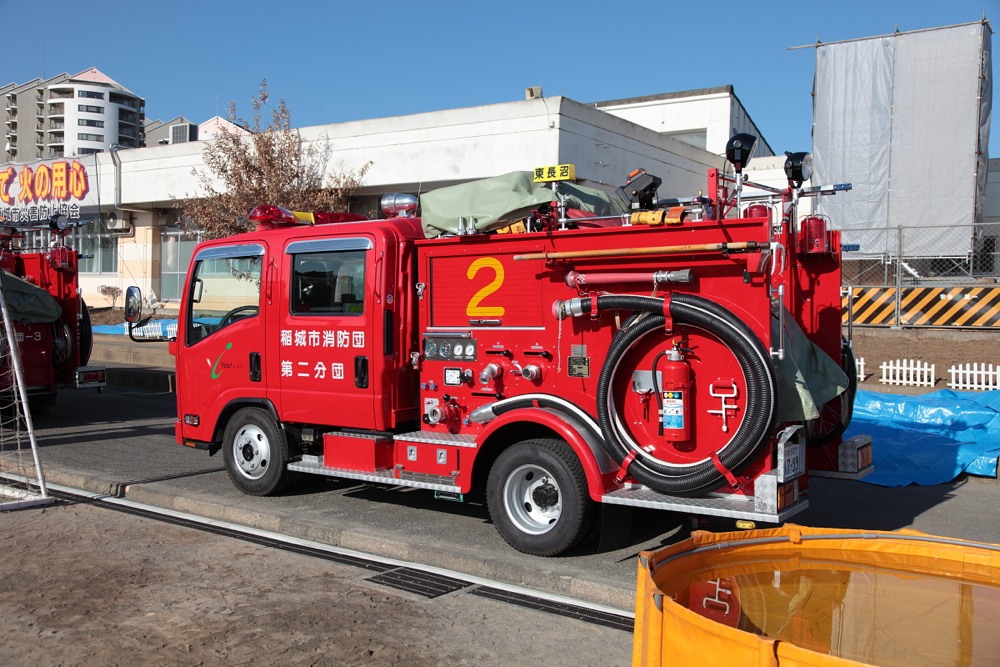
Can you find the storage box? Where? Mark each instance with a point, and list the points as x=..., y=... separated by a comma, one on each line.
x=425, y=457
x=361, y=453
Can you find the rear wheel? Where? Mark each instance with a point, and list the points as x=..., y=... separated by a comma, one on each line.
x=537, y=497
x=256, y=452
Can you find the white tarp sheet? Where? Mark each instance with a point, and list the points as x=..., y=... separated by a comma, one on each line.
x=903, y=118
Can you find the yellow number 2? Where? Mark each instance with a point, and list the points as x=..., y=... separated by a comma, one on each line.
x=474, y=309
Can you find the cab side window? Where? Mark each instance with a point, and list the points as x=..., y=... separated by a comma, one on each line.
x=328, y=283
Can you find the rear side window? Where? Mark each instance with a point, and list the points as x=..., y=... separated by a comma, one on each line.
x=330, y=282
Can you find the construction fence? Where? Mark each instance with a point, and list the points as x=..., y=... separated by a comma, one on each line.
x=890, y=280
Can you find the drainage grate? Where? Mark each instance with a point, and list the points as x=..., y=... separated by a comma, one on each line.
x=608, y=620
x=422, y=583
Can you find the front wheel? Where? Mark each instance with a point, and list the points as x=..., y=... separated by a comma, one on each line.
x=537, y=497
x=256, y=453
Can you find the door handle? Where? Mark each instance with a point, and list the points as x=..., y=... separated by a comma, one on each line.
x=361, y=372
x=255, y=367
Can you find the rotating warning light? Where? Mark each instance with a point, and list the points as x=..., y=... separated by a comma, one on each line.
x=397, y=204
x=739, y=150
x=798, y=167
x=271, y=214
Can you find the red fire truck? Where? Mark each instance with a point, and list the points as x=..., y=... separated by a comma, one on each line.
x=557, y=347
x=51, y=323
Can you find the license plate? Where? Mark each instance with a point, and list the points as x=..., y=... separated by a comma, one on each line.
x=791, y=460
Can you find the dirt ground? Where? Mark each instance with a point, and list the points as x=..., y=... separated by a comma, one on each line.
x=86, y=585
x=941, y=348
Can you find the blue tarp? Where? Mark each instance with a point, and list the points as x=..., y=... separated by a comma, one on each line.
x=931, y=438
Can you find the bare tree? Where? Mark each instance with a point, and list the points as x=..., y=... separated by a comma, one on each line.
x=264, y=165
x=112, y=292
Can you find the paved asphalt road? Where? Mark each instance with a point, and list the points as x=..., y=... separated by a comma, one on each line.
x=121, y=442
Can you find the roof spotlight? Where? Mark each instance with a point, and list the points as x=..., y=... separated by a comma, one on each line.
x=58, y=222
x=739, y=150
x=798, y=167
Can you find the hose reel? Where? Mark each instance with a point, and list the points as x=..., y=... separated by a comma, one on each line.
x=750, y=353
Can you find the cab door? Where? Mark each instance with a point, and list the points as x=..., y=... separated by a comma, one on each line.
x=220, y=335
x=321, y=350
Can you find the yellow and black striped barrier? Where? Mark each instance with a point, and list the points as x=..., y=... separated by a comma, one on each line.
x=959, y=307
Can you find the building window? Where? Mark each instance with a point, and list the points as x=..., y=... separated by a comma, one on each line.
x=100, y=248
x=83, y=136
x=175, y=255
x=90, y=93
x=90, y=108
x=87, y=122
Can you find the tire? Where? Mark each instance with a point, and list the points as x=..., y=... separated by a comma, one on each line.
x=256, y=453
x=537, y=497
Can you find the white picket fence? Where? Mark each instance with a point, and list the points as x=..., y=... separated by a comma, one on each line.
x=152, y=330
x=907, y=372
x=975, y=376
x=859, y=364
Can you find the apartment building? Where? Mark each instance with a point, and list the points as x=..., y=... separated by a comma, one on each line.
x=68, y=115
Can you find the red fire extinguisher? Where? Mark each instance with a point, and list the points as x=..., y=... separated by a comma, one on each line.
x=675, y=409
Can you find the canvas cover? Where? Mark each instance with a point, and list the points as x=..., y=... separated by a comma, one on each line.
x=807, y=378
x=905, y=119
x=27, y=302
x=490, y=203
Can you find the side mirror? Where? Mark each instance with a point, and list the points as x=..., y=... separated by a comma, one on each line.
x=133, y=316
x=133, y=304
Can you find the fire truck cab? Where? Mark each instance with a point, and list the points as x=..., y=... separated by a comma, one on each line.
x=681, y=354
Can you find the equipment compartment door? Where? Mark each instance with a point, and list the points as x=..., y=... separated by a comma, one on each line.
x=322, y=348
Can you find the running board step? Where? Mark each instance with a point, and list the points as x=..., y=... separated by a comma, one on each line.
x=733, y=507
x=314, y=465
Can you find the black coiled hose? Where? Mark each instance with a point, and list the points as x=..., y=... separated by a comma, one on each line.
x=756, y=427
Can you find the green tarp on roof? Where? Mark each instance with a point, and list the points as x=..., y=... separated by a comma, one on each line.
x=494, y=202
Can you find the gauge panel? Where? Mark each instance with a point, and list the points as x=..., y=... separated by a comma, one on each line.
x=457, y=346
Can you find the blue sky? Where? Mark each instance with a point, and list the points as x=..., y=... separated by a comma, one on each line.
x=336, y=61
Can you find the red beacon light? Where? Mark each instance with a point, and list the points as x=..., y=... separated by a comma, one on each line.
x=273, y=217
x=331, y=218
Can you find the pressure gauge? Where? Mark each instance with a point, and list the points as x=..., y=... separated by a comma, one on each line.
x=458, y=351
x=430, y=348
x=445, y=349
x=470, y=350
